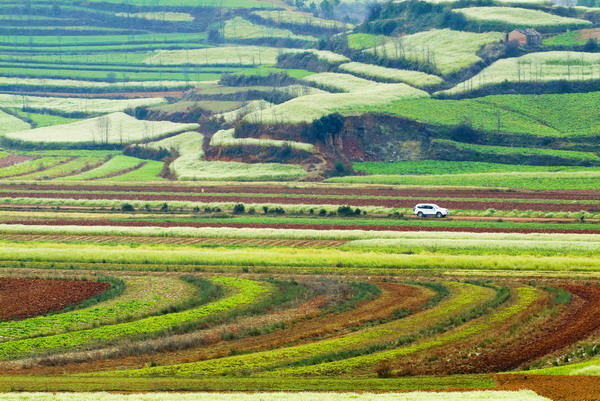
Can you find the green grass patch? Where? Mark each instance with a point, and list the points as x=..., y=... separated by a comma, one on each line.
x=90, y=384
x=148, y=172
x=556, y=115
x=524, y=180
x=437, y=167
x=570, y=38
x=361, y=41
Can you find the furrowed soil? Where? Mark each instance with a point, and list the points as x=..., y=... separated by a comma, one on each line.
x=591, y=195
x=37, y=296
x=579, y=320
x=389, y=203
x=556, y=388
x=117, y=223
x=120, y=239
x=13, y=159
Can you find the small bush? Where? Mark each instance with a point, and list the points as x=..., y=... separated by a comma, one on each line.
x=127, y=207
x=239, y=208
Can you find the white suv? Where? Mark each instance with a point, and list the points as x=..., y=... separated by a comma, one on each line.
x=429, y=209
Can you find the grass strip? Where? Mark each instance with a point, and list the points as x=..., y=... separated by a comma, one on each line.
x=164, y=257
x=68, y=383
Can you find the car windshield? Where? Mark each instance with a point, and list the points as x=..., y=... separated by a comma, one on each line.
x=435, y=206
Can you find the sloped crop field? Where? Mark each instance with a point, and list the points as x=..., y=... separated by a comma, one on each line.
x=256, y=329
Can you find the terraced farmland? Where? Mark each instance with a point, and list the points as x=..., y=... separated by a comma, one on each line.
x=214, y=200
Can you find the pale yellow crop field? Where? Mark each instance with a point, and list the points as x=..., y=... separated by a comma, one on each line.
x=446, y=50
x=111, y=128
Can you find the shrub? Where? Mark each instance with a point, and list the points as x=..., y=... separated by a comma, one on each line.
x=127, y=207
x=239, y=208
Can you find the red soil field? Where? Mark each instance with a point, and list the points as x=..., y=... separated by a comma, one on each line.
x=13, y=159
x=556, y=388
x=391, y=203
x=21, y=298
x=591, y=195
x=67, y=222
x=578, y=321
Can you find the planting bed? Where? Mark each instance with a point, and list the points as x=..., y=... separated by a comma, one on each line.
x=370, y=191
x=171, y=240
x=357, y=202
x=37, y=296
x=13, y=159
x=303, y=226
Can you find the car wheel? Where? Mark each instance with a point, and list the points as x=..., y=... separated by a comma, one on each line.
x=420, y=214
x=438, y=215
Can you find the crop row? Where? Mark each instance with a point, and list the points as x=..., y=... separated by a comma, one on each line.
x=30, y=166
x=289, y=234
x=150, y=171
x=463, y=296
x=74, y=166
x=259, y=208
x=320, y=190
x=563, y=180
x=184, y=258
x=287, y=201
x=103, y=75
x=525, y=297
x=523, y=395
x=114, y=166
x=433, y=167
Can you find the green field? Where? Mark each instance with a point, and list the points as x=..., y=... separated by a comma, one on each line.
x=437, y=167
x=558, y=116
x=10, y=123
x=537, y=180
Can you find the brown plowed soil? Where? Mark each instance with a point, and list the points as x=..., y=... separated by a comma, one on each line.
x=579, y=195
x=22, y=298
x=556, y=388
x=577, y=322
x=171, y=240
x=13, y=159
x=390, y=203
x=592, y=33
x=67, y=222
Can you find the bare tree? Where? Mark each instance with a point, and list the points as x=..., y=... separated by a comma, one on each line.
x=103, y=128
